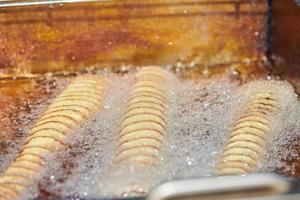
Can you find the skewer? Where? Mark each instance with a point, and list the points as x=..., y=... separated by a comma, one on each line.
x=144, y=123
x=248, y=136
x=69, y=111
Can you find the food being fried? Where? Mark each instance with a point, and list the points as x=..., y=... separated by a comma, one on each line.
x=68, y=111
x=144, y=122
x=247, y=139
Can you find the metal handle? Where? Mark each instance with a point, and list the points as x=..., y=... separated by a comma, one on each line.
x=226, y=187
x=8, y=4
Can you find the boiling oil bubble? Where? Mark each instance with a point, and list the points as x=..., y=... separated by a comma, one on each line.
x=199, y=118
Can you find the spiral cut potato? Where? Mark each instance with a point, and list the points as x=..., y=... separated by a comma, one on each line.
x=68, y=111
x=144, y=122
x=248, y=137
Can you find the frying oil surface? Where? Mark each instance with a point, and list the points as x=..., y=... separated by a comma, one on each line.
x=199, y=118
